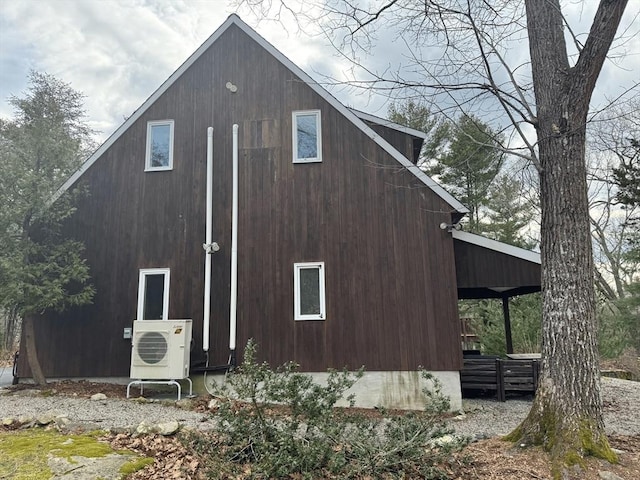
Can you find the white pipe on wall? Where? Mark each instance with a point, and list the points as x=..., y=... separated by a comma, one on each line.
x=234, y=247
x=208, y=247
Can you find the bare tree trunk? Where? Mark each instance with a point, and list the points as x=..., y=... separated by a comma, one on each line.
x=32, y=353
x=566, y=417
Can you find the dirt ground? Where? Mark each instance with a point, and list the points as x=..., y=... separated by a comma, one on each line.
x=489, y=459
x=493, y=459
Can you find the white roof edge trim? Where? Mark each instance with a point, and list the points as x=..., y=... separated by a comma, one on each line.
x=501, y=247
x=234, y=19
x=388, y=123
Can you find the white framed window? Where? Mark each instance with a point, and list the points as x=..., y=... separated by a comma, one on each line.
x=307, y=136
x=308, y=291
x=159, y=153
x=153, y=294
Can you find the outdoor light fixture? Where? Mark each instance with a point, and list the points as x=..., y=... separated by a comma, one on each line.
x=450, y=226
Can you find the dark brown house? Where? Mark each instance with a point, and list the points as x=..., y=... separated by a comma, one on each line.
x=344, y=255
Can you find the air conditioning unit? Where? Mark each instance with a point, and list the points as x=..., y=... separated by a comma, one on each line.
x=160, y=349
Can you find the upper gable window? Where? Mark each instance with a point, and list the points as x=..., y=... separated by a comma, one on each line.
x=159, y=154
x=307, y=134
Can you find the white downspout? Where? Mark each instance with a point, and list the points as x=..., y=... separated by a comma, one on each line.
x=234, y=251
x=208, y=246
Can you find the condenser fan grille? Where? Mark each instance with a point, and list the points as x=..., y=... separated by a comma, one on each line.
x=152, y=347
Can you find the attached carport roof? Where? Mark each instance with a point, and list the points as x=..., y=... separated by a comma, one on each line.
x=486, y=268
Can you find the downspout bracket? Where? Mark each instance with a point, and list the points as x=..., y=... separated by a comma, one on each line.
x=211, y=247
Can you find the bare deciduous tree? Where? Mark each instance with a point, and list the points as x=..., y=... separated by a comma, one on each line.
x=611, y=148
x=462, y=58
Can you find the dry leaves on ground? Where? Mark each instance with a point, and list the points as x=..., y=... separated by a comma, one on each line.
x=489, y=459
x=171, y=458
x=494, y=459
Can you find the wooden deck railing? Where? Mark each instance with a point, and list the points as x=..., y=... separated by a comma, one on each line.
x=495, y=374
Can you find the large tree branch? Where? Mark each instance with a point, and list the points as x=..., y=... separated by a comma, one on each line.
x=373, y=16
x=506, y=106
x=603, y=286
x=603, y=30
x=546, y=41
x=612, y=256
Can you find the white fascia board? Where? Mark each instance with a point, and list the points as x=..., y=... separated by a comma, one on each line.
x=235, y=20
x=522, y=253
x=388, y=123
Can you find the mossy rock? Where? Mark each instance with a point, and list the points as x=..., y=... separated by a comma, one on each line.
x=37, y=453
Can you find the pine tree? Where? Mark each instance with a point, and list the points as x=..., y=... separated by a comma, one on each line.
x=466, y=158
x=40, y=148
x=508, y=214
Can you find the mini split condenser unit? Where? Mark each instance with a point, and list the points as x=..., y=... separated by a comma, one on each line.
x=160, y=349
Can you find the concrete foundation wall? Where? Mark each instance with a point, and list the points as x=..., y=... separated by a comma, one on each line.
x=401, y=390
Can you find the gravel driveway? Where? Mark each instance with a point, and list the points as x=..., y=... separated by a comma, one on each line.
x=482, y=418
x=111, y=413
x=489, y=418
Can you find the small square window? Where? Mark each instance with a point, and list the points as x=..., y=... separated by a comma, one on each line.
x=308, y=285
x=307, y=137
x=153, y=294
x=159, y=155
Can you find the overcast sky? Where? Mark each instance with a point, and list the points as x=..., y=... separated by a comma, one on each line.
x=117, y=52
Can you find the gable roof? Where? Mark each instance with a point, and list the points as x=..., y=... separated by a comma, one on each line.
x=349, y=114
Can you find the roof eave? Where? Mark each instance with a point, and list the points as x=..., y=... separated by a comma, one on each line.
x=388, y=123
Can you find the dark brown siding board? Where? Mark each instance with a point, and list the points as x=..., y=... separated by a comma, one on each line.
x=390, y=275
x=481, y=267
x=400, y=141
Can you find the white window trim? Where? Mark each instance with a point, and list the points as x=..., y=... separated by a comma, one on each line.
x=141, y=284
x=296, y=291
x=294, y=129
x=147, y=160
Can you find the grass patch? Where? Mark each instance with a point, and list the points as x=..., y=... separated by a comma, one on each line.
x=135, y=465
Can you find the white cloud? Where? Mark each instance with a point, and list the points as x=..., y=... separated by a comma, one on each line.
x=117, y=52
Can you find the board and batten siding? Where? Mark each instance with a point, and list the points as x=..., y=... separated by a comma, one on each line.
x=391, y=297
